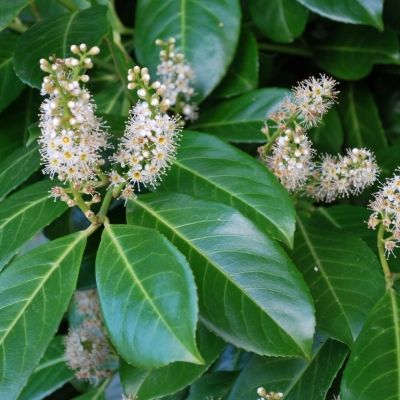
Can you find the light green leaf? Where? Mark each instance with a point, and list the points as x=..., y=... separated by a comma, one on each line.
x=150, y=304
x=208, y=167
x=328, y=136
x=351, y=52
x=55, y=36
x=23, y=214
x=152, y=384
x=236, y=267
x=361, y=119
x=190, y=22
x=344, y=277
x=51, y=373
x=10, y=85
x=34, y=294
x=242, y=74
x=296, y=379
x=18, y=167
x=279, y=20
x=373, y=370
x=349, y=11
x=240, y=119
x=9, y=9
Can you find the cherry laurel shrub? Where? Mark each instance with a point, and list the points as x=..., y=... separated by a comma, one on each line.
x=199, y=200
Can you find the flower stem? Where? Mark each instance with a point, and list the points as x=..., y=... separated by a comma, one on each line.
x=382, y=258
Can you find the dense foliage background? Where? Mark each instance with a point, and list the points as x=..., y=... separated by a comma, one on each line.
x=266, y=269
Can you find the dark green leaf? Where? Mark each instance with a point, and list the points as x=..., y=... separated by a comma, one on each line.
x=352, y=219
x=51, y=373
x=328, y=136
x=240, y=119
x=373, y=370
x=152, y=384
x=208, y=167
x=23, y=214
x=10, y=85
x=350, y=52
x=295, y=378
x=34, y=294
x=349, y=11
x=150, y=304
x=279, y=20
x=344, y=277
x=97, y=393
x=236, y=267
x=207, y=33
x=9, y=9
x=242, y=74
x=18, y=167
x=360, y=118
x=214, y=385
x=55, y=36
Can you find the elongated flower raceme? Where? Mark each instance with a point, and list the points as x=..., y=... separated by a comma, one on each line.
x=87, y=350
x=341, y=176
x=176, y=75
x=72, y=136
x=386, y=212
x=150, y=140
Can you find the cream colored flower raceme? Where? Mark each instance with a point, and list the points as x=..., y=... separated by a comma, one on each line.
x=72, y=136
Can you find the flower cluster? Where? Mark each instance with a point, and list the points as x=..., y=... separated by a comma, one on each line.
x=339, y=176
x=87, y=350
x=269, y=395
x=149, y=143
x=72, y=136
x=307, y=103
x=176, y=75
x=291, y=158
x=386, y=211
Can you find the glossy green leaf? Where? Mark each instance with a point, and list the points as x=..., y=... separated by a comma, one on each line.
x=349, y=11
x=328, y=136
x=9, y=9
x=23, y=214
x=55, y=36
x=279, y=20
x=152, y=384
x=240, y=119
x=18, y=167
x=150, y=303
x=244, y=279
x=190, y=22
x=352, y=219
x=208, y=167
x=51, y=373
x=34, y=294
x=214, y=385
x=344, y=277
x=10, y=85
x=361, y=119
x=373, y=370
x=242, y=74
x=295, y=378
x=350, y=52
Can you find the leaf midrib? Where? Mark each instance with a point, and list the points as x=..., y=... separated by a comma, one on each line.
x=177, y=162
x=211, y=262
x=321, y=268
x=395, y=314
x=45, y=277
x=131, y=272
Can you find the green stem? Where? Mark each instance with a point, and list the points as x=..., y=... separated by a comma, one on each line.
x=105, y=205
x=382, y=258
x=285, y=49
x=18, y=26
x=271, y=140
x=79, y=200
